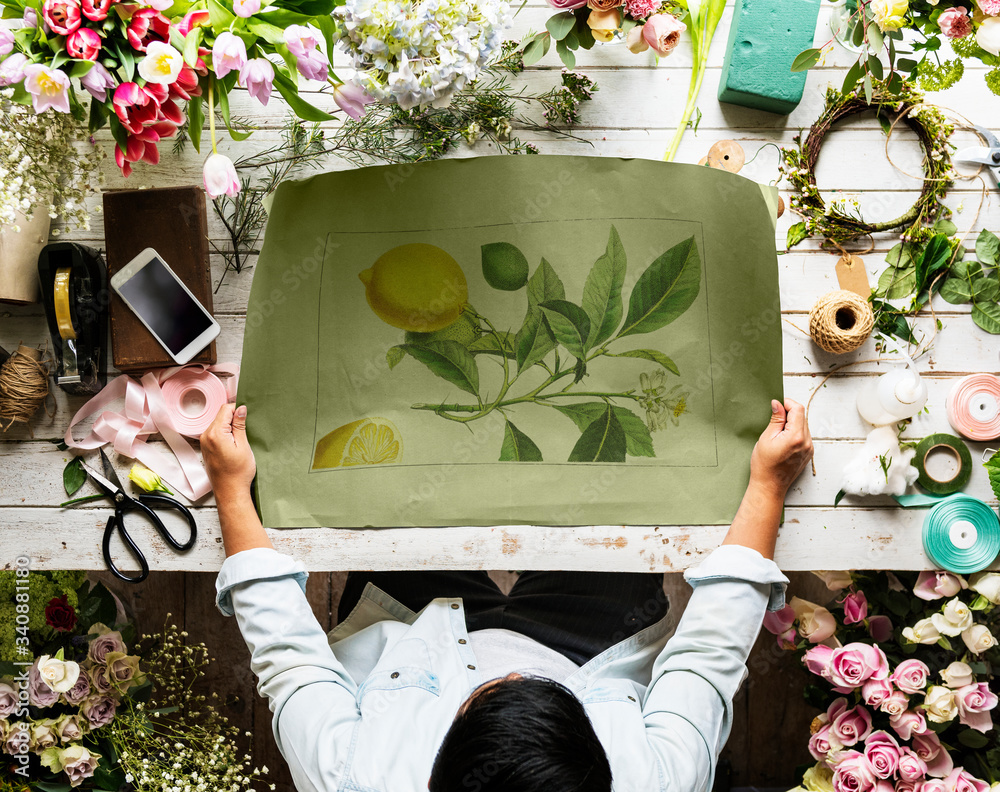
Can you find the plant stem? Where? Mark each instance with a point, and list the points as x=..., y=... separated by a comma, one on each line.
x=527, y=398
x=211, y=115
x=697, y=76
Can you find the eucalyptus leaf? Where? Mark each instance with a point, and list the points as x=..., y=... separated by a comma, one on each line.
x=988, y=248
x=449, y=360
x=987, y=316
x=517, y=446
x=602, y=293
x=570, y=325
x=649, y=354
x=852, y=77
x=536, y=49
x=665, y=290
x=875, y=67
x=806, y=60
x=565, y=55
x=74, y=475
x=602, y=441
x=559, y=25
x=956, y=291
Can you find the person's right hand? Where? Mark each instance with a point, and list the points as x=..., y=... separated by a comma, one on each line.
x=227, y=454
x=783, y=450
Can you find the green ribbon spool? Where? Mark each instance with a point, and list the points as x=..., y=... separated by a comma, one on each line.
x=961, y=452
x=962, y=535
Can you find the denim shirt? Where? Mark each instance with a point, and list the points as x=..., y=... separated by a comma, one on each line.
x=365, y=707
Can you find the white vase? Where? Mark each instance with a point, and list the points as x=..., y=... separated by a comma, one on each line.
x=19, y=257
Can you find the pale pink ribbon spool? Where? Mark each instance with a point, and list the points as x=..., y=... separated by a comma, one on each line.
x=153, y=406
x=973, y=407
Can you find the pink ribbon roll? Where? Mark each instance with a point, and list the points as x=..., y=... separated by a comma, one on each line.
x=157, y=405
x=974, y=407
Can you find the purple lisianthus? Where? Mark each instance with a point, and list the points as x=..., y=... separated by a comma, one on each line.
x=76, y=694
x=99, y=711
x=104, y=642
x=8, y=699
x=99, y=682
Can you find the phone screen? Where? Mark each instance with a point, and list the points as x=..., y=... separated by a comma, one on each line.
x=173, y=314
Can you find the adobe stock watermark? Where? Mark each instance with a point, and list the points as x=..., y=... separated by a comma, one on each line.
x=17, y=741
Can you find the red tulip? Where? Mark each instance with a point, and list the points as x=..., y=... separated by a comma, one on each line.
x=83, y=44
x=186, y=84
x=62, y=16
x=192, y=19
x=146, y=25
x=135, y=107
x=96, y=10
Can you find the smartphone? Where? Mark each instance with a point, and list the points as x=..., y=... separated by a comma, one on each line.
x=165, y=305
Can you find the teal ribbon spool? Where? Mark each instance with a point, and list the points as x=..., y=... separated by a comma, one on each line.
x=961, y=452
x=962, y=535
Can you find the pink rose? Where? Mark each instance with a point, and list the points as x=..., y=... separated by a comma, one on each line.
x=911, y=767
x=955, y=23
x=566, y=5
x=852, y=725
x=908, y=723
x=960, y=781
x=928, y=747
x=855, y=607
x=854, y=664
x=662, y=33
x=934, y=785
x=910, y=676
x=876, y=691
x=39, y=693
x=880, y=628
x=902, y=785
x=935, y=585
x=823, y=742
x=76, y=694
x=817, y=660
x=778, y=622
x=853, y=773
x=974, y=705
x=83, y=44
x=99, y=711
x=63, y=16
x=882, y=752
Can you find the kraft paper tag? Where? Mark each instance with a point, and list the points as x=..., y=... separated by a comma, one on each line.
x=852, y=276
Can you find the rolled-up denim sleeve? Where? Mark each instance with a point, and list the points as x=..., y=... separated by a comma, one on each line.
x=312, y=696
x=688, y=710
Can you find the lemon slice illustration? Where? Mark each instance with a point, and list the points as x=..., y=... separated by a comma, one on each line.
x=370, y=441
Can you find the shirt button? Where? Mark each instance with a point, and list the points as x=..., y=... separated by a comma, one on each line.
x=395, y=675
x=471, y=667
x=454, y=606
x=462, y=641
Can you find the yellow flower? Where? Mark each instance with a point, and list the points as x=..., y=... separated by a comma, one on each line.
x=889, y=14
x=604, y=24
x=146, y=479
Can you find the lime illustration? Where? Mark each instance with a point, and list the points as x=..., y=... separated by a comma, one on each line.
x=370, y=441
x=416, y=287
x=464, y=330
x=504, y=266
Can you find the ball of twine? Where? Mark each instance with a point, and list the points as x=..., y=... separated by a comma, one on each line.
x=24, y=385
x=840, y=322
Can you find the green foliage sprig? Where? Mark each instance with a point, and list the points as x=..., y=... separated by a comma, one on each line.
x=839, y=222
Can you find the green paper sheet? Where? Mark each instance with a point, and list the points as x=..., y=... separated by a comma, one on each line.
x=512, y=340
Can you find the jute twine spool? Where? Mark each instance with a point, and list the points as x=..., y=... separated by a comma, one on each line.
x=841, y=321
x=24, y=385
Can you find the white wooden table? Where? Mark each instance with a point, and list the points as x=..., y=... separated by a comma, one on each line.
x=632, y=115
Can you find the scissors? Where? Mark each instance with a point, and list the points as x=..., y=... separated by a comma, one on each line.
x=111, y=485
x=988, y=155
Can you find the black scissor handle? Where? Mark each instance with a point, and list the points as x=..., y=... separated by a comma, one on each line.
x=149, y=502
x=114, y=522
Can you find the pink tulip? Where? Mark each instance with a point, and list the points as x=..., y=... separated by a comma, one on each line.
x=910, y=676
x=955, y=22
x=160, y=5
x=959, y=780
x=30, y=18
x=300, y=39
x=62, y=16
x=220, y=176
x=911, y=766
x=229, y=53
x=97, y=81
x=186, y=84
x=855, y=607
x=49, y=88
x=876, y=691
x=352, y=100
x=192, y=19
x=935, y=585
x=777, y=622
x=313, y=65
x=6, y=42
x=787, y=639
x=145, y=26
x=908, y=723
x=12, y=69
x=880, y=628
x=142, y=147
x=882, y=752
x=817, y=660
x=974, y=704
x=928, y=747
x=96, y=10
x=134, y=106
x=257, y=76
x=852, y=726
x=853, y=773
x=246, y=8
x=662, y=32
x=854, y=664
x=83, y=44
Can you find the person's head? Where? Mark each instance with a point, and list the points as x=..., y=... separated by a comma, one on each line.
x=521, y=734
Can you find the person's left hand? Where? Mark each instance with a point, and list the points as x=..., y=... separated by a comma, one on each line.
x=228, y=457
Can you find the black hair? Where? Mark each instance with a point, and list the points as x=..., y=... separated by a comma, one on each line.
x=521, y=734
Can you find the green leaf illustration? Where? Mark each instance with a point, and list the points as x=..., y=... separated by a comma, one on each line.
x=638, y=440
x=74, y=475
x=987, y=316
x=517, y=446
x=988, y=248
x=489, y=345
x=570, y=325
x=534, y=340
x=665, y=290
x=649, y=354
x=504, y=266
x=602, y=441
x=985, y=290
x=956, y=291
x=394, y=355
x=450, y=361
x=545, y=285
x=602, y=293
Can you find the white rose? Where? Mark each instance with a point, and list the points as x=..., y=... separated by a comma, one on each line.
x=835, y=581
x=987, y=584
x=978, y=638
x=988, y=35
x=819, y=778
x=954, y=618
x=59, y=675
x=923, y=632
x=957, y=675
x=940, y=705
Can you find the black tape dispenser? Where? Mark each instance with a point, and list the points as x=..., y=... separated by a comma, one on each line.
x=74, y=283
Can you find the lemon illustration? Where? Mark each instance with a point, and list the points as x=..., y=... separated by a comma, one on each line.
x=416, y=287
x=464, y=330
x=370, y=441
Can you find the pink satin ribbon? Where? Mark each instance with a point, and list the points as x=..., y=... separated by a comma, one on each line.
x=147, y=412
x=973, y=407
